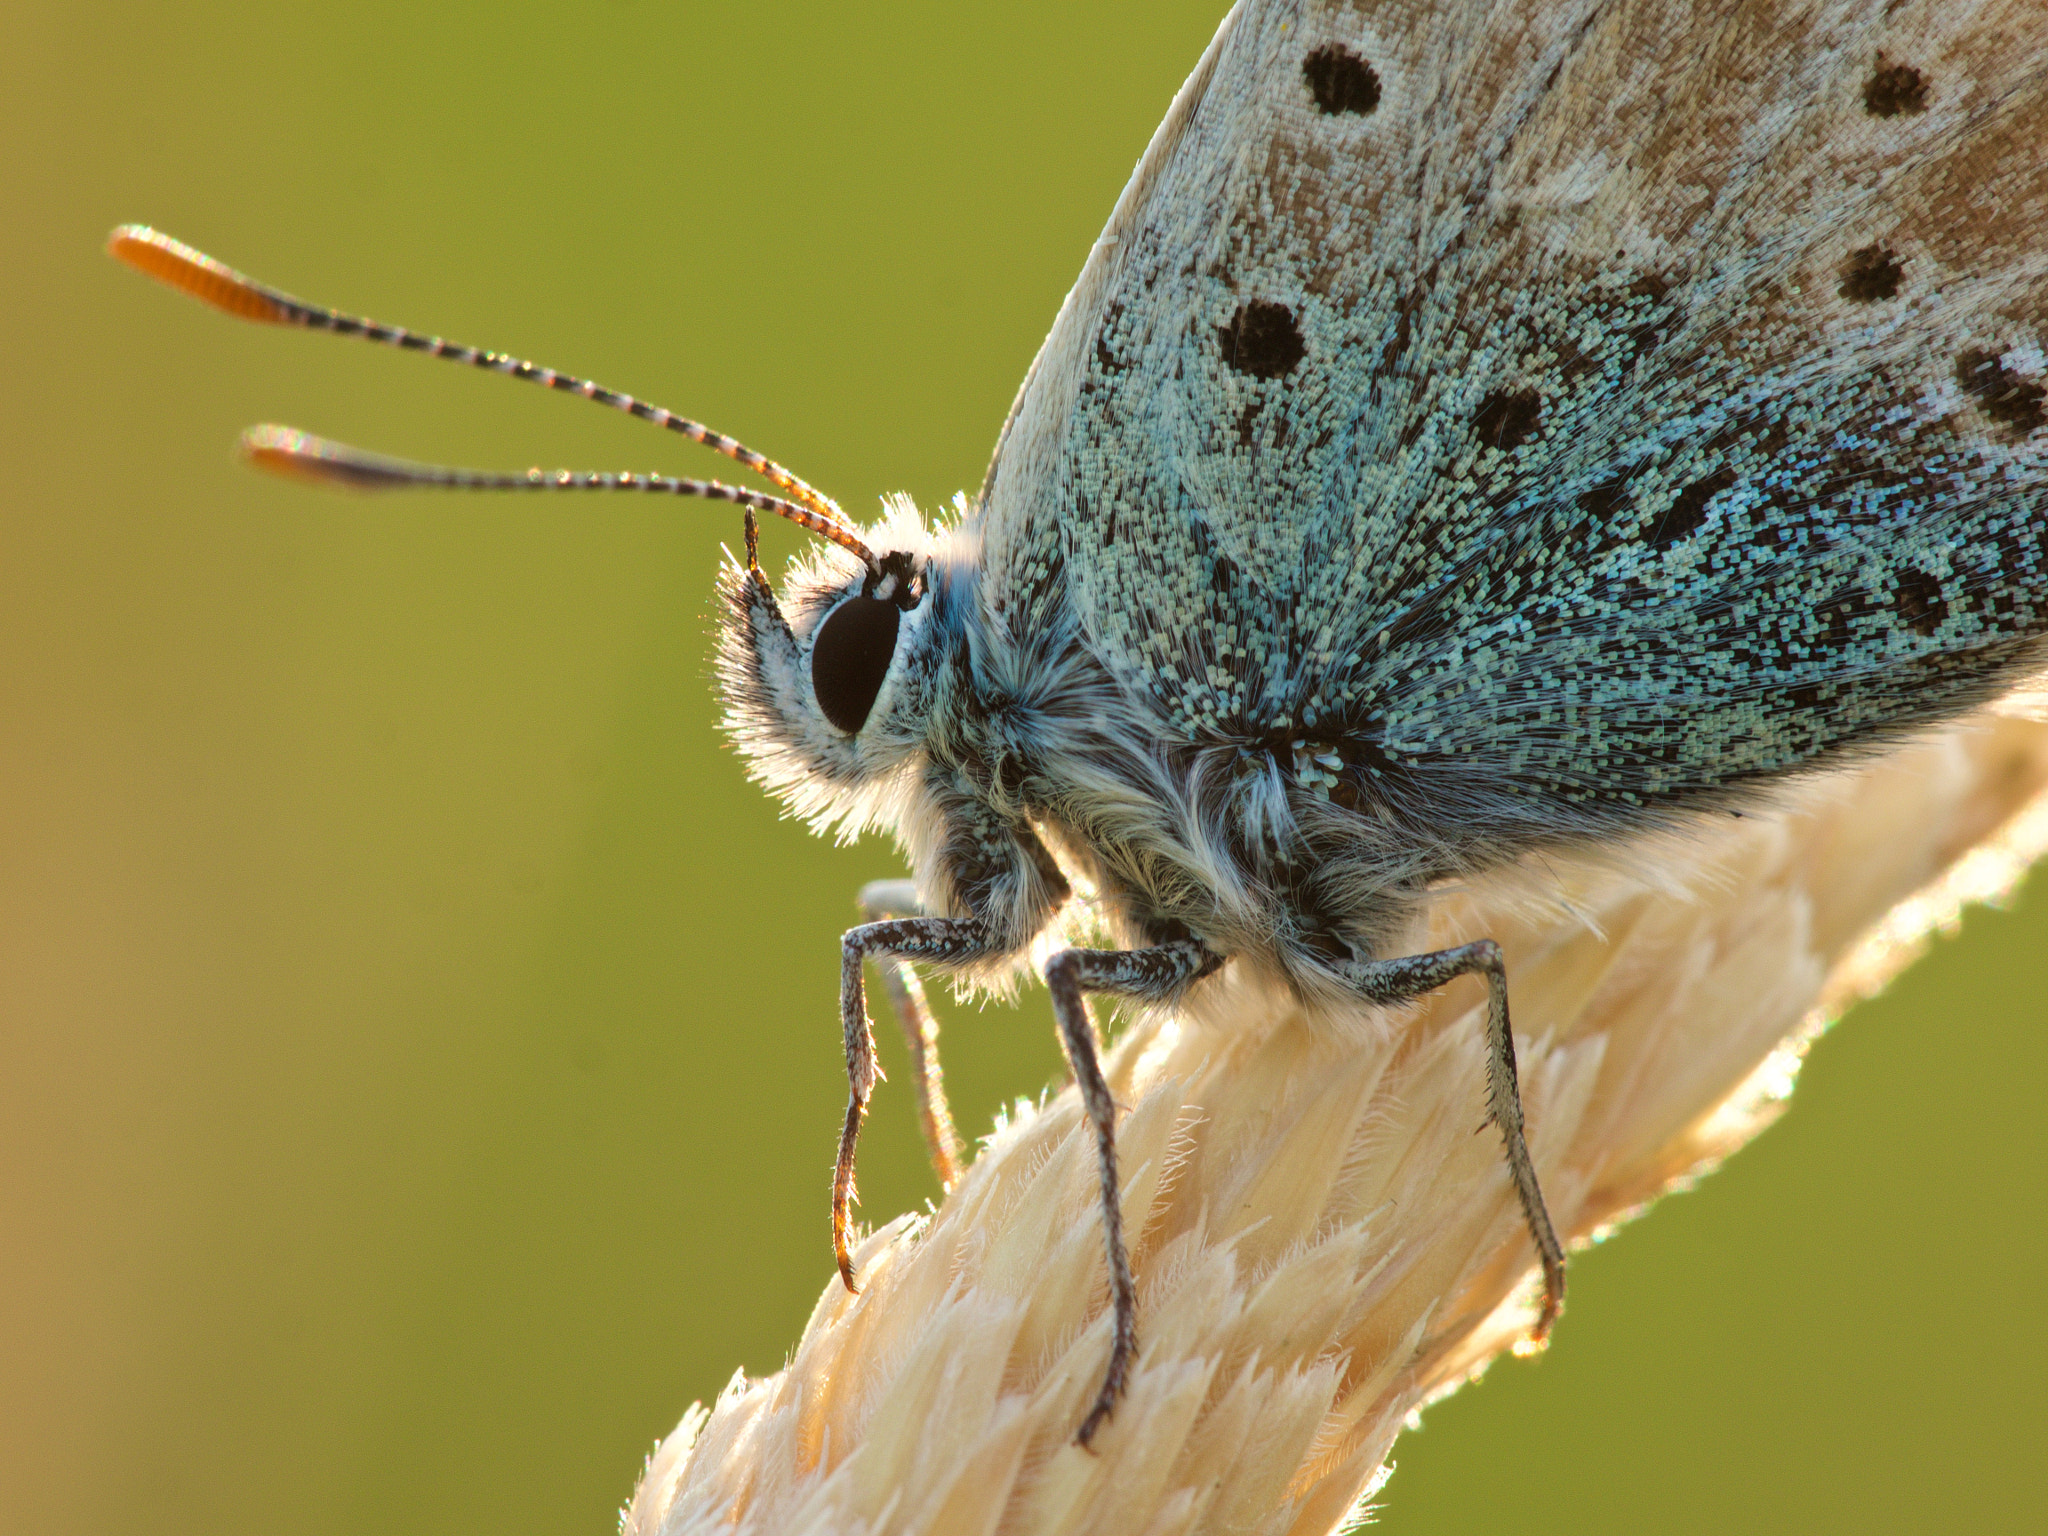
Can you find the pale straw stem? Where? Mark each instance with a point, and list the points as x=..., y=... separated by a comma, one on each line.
x=1321, y=1241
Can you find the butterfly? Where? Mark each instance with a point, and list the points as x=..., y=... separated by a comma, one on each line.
x=1479, y=430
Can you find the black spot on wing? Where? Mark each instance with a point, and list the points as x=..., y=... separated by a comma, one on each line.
x=1340, y=81
x=1688, y=509
x=2006, y=397
x=1506, y=420
x=1604, y=500
x=1262, y=340
x=1917, y=596
x=1604, y=505
x=1870, y=274
x=1893, y=89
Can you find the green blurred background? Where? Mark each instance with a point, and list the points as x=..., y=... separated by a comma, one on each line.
x=418, y=1073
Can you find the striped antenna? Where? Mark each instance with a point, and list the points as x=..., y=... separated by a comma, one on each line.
x=194, y=272
x=297, y=455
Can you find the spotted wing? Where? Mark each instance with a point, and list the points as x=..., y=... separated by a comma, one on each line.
x=1587, y=401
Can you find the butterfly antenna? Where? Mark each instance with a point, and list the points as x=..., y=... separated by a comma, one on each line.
x=296, y=455
x=194, y=272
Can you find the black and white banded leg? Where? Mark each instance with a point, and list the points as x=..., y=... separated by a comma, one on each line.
x=1153, y=975
x=1393, y=982
x=898, y=898
x=934, y=940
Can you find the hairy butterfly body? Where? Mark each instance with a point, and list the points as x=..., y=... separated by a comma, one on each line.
x=1481, y=428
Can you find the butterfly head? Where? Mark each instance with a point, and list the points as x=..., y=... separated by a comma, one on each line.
x=828, y=689
x=829, y=685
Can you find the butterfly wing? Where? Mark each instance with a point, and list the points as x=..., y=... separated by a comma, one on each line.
x=1578, y=403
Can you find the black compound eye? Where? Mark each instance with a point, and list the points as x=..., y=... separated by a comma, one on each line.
x=851, y=656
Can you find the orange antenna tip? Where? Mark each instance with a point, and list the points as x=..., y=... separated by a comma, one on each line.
x=176, y=264
x=294, y=455
x=301, y=456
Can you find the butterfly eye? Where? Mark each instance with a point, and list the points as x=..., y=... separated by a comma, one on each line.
x=851, y=656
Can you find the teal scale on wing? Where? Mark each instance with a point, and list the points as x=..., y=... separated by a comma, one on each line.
x=1431, y=390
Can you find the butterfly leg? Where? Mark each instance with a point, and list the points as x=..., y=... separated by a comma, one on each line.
x=1402, y=980
x=898, y=898
x=1153, y=974
x=937, y=940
